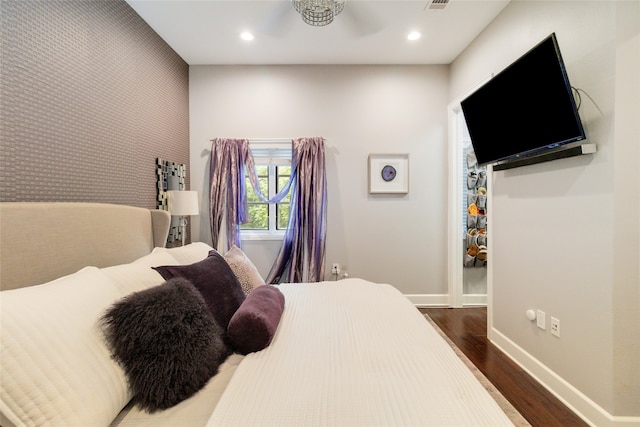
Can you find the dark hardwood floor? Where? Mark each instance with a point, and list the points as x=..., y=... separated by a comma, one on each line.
x=467, y=328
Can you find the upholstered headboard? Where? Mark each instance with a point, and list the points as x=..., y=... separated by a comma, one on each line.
x=42, y=241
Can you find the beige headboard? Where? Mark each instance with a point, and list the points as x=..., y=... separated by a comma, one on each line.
x=42, y=241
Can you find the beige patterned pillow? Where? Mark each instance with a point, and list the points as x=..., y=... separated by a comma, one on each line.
x=243, y=268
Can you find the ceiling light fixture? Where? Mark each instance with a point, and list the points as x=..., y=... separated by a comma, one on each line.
x=318, y=13
x=414, y=35
x=247, y=36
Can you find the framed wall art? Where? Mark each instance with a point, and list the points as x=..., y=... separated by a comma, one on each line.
x=388, y=173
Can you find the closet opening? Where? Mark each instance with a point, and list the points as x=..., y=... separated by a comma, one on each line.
x=469, y=189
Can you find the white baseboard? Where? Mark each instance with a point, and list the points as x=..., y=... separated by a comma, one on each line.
x=429, y=300
x=469, y=300
x=584, y=407
x=442, y=300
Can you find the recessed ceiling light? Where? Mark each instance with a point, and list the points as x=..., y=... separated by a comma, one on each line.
x=247, y=36
x=414, y=35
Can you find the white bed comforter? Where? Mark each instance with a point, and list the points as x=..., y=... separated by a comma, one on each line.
x=354, y=353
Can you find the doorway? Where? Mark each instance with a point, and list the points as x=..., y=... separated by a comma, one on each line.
x=469, y=186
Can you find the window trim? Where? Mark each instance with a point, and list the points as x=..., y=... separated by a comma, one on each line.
x=262, y=234
x=271, y=153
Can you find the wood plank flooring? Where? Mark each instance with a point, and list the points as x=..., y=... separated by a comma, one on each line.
x=467, y=328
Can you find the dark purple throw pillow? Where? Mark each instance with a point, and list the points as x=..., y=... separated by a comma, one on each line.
x=253, y=326
x=216, y=282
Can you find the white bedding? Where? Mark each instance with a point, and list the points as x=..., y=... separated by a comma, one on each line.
x=354, y=353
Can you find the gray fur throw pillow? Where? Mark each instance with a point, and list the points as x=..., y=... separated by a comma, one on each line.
x=167, y=342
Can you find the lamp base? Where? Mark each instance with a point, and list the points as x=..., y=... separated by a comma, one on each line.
x=183, y=229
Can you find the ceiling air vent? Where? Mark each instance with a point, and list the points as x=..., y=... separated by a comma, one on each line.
x=437, y=4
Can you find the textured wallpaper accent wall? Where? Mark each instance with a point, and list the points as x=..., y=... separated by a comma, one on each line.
x=91, y=96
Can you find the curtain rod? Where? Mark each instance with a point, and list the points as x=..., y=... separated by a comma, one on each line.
x=270, y=140
x=262, y=141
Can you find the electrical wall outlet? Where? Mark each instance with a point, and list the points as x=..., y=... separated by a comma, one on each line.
x=555, y=327
x=541, y=320
x=335, y=268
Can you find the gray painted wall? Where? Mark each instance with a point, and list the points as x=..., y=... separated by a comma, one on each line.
x=397, y=239
x=565, y=233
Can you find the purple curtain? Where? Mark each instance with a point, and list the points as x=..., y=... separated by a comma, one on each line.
x=304, y=242
x=301, y=257
x=226, y=178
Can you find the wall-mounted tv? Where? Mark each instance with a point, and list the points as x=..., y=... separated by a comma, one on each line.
x=525, y=109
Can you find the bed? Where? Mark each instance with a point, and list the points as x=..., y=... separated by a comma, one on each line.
x=345, y=353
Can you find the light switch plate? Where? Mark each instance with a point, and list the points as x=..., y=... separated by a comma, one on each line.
x=541, y=320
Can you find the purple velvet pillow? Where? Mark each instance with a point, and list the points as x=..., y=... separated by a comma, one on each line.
x=216, y=282
x=253, y=326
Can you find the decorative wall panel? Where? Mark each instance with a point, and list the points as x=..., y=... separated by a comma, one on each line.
x=171, y=176
x=91, y=96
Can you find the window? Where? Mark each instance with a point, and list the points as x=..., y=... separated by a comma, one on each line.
x=273, y=166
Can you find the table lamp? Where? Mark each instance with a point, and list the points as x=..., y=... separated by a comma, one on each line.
x=183, y=204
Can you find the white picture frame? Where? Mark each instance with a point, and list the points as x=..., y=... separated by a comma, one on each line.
x=388, y=173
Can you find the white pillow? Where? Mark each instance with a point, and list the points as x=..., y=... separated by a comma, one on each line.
x=138, y=275
x=56, y=368
x=187, y=254
x=156, y=258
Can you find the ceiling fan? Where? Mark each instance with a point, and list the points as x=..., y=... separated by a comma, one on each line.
x=320, y=13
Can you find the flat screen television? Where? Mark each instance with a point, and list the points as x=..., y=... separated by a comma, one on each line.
x=524, y=110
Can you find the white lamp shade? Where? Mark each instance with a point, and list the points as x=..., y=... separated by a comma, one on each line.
x=183, y=203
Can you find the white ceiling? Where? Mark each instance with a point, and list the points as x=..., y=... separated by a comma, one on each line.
x=366, y=32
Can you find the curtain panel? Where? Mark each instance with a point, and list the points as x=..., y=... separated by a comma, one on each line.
x=301, y=256
x=226, y=178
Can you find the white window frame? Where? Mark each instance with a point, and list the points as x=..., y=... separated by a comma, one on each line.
x=271, y=153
